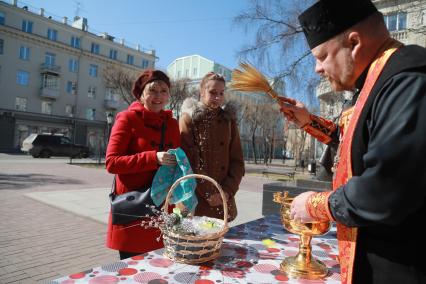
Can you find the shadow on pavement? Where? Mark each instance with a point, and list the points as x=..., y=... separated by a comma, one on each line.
x=25, y=181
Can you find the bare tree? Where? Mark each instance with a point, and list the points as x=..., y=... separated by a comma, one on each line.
x=121, y=81
x=179, y=91
x=279, y=46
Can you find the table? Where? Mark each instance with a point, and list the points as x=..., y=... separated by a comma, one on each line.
x=244, y=259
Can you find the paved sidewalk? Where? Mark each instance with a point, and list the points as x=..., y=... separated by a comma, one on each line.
x=53, y=217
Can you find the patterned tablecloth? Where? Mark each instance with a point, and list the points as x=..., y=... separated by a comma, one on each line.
x=244, y=259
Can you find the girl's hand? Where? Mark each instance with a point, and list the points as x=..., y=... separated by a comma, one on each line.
x=166, y=159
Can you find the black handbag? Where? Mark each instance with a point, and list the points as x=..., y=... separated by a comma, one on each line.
x=135, y=204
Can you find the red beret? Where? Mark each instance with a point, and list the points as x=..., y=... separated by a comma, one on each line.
x=146, y=77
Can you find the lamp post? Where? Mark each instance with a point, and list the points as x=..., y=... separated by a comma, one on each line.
x=110, y=120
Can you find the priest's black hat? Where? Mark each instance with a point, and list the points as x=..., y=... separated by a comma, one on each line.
x=328, y=18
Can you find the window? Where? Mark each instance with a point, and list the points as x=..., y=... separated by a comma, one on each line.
x=24, y=53
x=194, y=71
x=130, y=59
x=27, y=26
x=68, y=110
x=396, y=21
x=75, y=42
x=73, y=65
x=2, y=18
x=402, y=21
x=52, y=34
x=22, y=78
x=91, y=93
x=186, y=73
x=1, y=45
x=46, y=107
x=95, y=48
x=21, y=104
x=392, y=19
x=49, y=59
x=69, y=87
x=50, y=81
x=145, y=63
x=93, y=70
x=111, y=95
x=90, y=113
x=178, y=74
x=113, y=54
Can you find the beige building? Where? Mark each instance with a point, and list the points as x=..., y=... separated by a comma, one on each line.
x=51, y=76
x=406, y=21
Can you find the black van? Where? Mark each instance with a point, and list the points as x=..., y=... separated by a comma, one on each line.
x=47, y=145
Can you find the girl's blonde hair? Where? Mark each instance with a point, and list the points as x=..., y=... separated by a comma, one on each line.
x=211, y=76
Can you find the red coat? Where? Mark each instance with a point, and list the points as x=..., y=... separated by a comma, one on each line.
x=132, y=156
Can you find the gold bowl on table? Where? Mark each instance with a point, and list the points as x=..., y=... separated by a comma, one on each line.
x=302, y=265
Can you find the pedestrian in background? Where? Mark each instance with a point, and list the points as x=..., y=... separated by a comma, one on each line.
x=134, y=154
x=379, y=184
x=211, y=141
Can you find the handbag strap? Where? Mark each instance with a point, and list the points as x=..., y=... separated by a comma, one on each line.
x=160, y=148
x=163, y=132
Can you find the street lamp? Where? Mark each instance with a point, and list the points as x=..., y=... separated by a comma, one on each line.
x=110, y=119
x=105, y=140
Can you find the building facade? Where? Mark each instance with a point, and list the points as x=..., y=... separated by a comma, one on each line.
x=51, y=76
x=194, y=68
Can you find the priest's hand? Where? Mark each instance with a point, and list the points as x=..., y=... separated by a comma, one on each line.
x=295, y=111
x=298, y=210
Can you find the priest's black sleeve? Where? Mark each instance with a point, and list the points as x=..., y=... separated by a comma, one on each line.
x=393, y=184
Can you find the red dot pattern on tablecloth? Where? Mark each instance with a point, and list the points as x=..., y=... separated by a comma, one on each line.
x=203, y=281
x=132, y=262
x=265, y=268
x=104, y=279
x=145, y=277
x=127, y=271
x=138, y=257
x=281, y=277
x=244, y=264
x=78, y=275
x=161, y=262
x=273, y=250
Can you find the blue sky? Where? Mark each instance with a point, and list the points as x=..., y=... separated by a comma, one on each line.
x=174, y=28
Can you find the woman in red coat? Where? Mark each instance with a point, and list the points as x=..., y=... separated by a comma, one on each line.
x=133, y=155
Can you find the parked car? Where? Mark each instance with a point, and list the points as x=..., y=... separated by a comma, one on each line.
x=47, y=145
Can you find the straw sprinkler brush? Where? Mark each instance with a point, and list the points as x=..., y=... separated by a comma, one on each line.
x=249, y=79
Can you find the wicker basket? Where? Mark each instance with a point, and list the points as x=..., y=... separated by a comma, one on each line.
x=194, y=249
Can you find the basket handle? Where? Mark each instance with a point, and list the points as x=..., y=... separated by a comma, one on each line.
x=215, y=183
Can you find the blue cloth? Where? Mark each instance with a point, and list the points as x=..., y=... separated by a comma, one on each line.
x=167, y=175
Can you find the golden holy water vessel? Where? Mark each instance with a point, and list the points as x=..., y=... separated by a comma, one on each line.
x=303, y=265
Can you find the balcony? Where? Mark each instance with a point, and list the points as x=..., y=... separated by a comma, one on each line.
x=399, y=35
x=49, y=93
x=50, y=69
x=111, y=104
